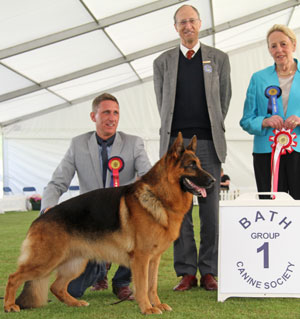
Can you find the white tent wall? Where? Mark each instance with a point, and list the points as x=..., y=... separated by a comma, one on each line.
x=33, y=148
x=1, y=164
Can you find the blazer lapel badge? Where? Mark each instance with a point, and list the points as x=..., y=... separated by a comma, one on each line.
x=207, y=66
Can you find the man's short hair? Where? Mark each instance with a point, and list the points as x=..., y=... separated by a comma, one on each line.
x=101, y=98
x=185, y=5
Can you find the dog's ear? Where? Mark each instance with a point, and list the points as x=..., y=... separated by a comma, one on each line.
x=193, y=144
x=177, y=148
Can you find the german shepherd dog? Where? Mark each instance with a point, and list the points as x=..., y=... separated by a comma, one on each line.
x=130, y=225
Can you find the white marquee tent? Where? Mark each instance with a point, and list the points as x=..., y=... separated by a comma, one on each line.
x=57, y=55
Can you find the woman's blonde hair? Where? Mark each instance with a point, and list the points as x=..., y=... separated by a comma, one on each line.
x=285, y=30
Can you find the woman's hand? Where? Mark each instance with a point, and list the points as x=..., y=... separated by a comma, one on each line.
x=275, y=121
x=291, y=122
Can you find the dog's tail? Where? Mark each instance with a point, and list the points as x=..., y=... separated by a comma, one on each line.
x=34, y=294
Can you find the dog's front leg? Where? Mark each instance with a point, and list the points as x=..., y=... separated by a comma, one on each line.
x=140, y=268
x=152, y=288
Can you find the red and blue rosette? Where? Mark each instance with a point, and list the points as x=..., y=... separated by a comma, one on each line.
x=115, y=165
x=283, y=141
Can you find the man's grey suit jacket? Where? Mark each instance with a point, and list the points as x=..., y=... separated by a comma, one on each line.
x=216, y=71
x=83, y=157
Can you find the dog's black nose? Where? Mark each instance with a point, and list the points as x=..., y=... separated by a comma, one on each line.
x=211, y=181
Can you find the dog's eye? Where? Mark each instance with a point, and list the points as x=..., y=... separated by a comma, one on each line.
x=192, y=165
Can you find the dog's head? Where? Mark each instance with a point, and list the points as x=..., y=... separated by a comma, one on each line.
x=192, y=177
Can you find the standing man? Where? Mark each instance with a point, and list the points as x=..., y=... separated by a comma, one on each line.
x=88, y=155
x=193, y=90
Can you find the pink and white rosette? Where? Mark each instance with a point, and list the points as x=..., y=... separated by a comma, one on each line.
x=283, y=141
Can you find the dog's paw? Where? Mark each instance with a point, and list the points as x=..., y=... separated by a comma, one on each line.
x=151, y=311
x=77, y=303
x=164, y=307
x=82, y=303
x=12, y=308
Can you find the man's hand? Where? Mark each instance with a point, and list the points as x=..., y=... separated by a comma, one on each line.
x=45, y=210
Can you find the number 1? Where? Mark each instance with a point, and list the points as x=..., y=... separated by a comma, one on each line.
x=265, y=248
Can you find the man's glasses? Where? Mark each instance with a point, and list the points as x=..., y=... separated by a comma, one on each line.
x=183, y=23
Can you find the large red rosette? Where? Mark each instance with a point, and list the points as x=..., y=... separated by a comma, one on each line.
x=283, y=141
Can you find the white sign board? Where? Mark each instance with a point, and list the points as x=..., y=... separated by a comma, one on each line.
x=259, y=252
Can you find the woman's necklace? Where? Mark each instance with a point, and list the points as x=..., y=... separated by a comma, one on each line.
x=287, y=73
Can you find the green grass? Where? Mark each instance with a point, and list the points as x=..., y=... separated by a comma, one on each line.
x=196, y=303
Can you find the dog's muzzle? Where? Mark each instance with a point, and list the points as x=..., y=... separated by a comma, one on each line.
x=193, y=188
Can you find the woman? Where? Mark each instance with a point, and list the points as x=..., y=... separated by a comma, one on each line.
x=273, y=102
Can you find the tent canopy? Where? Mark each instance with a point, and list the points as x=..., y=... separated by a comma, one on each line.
x=55, y=53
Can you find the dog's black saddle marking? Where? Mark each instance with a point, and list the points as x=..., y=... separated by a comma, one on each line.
x=90, y=213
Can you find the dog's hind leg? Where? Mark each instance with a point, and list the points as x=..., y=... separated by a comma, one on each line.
x=39, y=257
x=34, y=294
x=140, y=268
x=152, y=285
x=35, y=291
x=66, y=273
x=15, y=280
